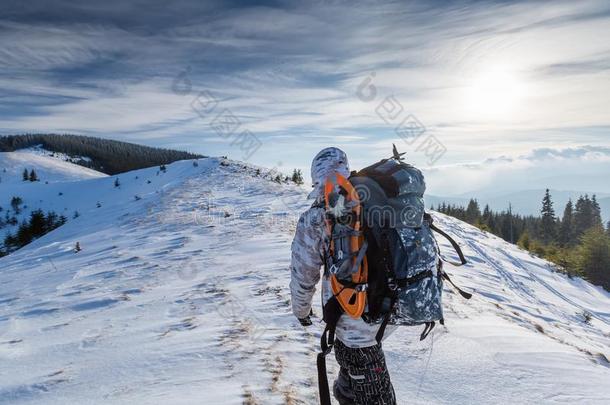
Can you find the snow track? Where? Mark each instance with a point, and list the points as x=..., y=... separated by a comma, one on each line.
x=544, y=304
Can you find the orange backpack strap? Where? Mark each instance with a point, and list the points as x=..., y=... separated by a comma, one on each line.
x=351, y=296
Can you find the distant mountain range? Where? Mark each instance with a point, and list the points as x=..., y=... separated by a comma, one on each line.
x=525, y=202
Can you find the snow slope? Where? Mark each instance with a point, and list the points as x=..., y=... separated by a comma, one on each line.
x=182, y=297
x=55, y=173
x=51, y=167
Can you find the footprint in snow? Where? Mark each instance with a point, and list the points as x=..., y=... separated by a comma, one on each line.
x=90, y=339
x=185, y=324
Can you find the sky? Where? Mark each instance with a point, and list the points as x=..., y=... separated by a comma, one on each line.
x=483, y=96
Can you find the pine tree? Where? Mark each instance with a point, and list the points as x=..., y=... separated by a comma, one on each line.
x=15, y=204
x=548, y=232
x=24, y=236
x=50, y=221
x=582, y=216
x=492, y=222
x=33, y=176
x=594, y=256
x=506, y=227
x=38, y=225
x=117, y=183
x=26, y=175
x=608, y=229
x=9, y=241
x=566, y=233
x=486, y=218
x=297, y=176
x=473, y=212
x=511, y=223
x=596, y=213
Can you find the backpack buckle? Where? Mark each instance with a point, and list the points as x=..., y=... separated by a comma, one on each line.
x=361, y=287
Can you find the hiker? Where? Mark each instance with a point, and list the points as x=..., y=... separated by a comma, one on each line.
x=382, y=268
x=363, y=377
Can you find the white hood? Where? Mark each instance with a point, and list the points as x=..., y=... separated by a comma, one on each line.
x=326, y=162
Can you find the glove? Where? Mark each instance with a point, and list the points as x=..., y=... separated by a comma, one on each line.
x=307, y=320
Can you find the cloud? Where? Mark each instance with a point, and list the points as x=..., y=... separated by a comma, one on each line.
x=290, y=71
x=580, y=168
x=585, y=153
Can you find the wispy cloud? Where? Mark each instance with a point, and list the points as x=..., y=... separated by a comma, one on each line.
x=289, y=71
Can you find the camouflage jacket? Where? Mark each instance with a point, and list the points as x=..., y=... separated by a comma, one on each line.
x=308, y=249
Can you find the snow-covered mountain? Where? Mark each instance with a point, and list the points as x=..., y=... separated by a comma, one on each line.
x=181, y=296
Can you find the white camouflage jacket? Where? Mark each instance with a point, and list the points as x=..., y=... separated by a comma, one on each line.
x=307, y=260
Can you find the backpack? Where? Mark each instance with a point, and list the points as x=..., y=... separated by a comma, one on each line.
x=383, y=260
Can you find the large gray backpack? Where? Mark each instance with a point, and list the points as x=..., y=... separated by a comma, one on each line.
x=405, y=271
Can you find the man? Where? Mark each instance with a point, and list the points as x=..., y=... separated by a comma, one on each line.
x=363, y=377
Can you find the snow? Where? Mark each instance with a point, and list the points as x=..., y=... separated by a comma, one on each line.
x=48, y=168
x=182, y=297
x=57, y=188
x=41, y=151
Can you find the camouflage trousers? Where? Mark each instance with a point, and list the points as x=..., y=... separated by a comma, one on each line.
x=363, y=378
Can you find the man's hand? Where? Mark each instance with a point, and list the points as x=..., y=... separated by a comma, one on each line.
x=307, y=320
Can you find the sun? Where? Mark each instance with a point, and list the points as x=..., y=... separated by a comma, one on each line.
x=494, y=92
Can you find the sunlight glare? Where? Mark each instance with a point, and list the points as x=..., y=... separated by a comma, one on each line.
x=494, y=93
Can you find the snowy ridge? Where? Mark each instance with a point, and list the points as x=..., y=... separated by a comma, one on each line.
x=181, y=296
